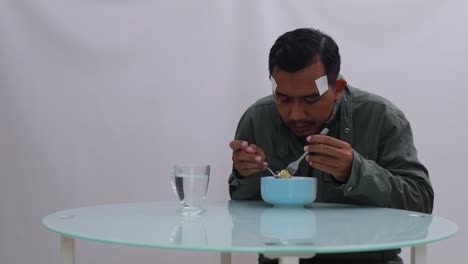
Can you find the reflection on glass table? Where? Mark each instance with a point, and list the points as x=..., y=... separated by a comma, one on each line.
x=252, y=227
x=288, y=226
x=340, y=225
x=190, y=231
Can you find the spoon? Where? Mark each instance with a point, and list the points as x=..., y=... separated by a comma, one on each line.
x=271, y=171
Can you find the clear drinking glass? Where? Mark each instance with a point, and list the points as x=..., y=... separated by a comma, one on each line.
x=190, y=184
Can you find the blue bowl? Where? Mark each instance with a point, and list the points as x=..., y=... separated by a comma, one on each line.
x=297, y=191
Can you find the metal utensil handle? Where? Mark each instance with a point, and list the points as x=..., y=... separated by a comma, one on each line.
x=323, y=132
x=266, y=167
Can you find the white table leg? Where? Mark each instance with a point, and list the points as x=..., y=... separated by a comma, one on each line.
x=225, y=258
x=289, y=258
x=67, y=250
x=419, y=255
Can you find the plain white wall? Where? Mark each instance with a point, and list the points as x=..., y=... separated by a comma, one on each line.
x=99, y=98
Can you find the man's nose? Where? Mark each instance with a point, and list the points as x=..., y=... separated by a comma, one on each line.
x=296, y=112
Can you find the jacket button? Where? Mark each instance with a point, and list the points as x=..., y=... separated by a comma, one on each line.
x=346, y=130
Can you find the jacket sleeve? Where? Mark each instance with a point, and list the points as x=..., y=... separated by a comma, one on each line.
x=396, y=179
x=244, y=188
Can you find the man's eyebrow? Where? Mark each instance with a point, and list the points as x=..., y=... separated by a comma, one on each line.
x=312, y=95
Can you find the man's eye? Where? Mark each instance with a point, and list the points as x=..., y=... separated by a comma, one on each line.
x=283, y=99
x=310, y=100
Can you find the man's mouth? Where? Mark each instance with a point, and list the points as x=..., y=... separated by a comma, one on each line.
x=301, y=128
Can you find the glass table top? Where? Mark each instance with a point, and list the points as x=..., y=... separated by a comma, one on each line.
x=252, y=227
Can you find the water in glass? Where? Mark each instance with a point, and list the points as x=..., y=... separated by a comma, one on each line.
x=190, y=184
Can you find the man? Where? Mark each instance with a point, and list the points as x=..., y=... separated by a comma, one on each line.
x=367, y=158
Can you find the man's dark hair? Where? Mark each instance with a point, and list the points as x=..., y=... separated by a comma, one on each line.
x=298, y=49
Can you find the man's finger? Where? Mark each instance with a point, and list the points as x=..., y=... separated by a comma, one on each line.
x=252, y=148
x=244, y=165
x=327, y=140
x=244, y=156
x=324, y=160
x=261, y=153
x=237, y=145
x=323, y=167
x=324, y=149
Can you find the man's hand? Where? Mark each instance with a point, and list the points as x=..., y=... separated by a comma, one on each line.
x=330, y=155
x=246, y=157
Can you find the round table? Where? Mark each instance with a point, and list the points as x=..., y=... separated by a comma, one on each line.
x=251, y=227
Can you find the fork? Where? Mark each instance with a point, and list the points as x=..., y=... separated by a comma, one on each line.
x=294, y=166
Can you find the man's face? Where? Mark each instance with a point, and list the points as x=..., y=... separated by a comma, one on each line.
x=297, y=97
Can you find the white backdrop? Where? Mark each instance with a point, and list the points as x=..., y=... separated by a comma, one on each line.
x=99, y=98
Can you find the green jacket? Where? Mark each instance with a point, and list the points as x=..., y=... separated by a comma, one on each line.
x=385, y=172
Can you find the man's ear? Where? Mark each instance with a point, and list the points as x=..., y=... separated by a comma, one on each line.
x=339, y=88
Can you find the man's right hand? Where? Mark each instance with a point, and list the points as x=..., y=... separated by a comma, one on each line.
x=246, y=157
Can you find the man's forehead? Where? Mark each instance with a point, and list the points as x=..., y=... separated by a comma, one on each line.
x=310, y=88
x=311, y=72
x=311, y=79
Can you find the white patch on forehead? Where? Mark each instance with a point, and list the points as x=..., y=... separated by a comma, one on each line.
x=322, y=84
x=273, y=84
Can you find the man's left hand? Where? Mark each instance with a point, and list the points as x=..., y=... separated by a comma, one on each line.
x=330, y=155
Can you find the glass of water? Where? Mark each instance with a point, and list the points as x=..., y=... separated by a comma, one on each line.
x=190, y=184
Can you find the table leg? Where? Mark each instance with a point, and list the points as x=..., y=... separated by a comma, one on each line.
x=289, y=258
x=225, y=258
x=419, y=255
x=67, y=250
